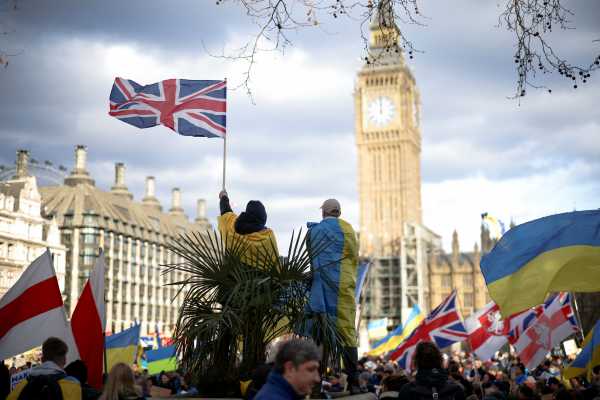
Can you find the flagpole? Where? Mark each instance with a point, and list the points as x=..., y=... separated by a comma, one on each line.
x=104, y=348
x=578, y=317
x=225, y=140
x=224, y=158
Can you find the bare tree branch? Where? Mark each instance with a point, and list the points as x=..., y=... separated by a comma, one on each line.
x=531, y=21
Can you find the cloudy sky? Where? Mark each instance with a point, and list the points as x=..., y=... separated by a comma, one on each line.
x=295, y=145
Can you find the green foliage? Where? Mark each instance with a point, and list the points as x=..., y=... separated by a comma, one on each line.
x=232, y=310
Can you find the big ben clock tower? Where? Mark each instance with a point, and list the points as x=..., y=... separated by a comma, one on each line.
x=389, y=144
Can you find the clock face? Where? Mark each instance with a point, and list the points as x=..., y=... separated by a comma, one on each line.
x=380, y=111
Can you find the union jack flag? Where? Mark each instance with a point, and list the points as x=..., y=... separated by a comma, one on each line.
x=190, y=108
x=443, y=326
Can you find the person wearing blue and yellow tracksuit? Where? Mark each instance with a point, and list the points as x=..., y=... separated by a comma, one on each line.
x=251, y=226
x=334, y=276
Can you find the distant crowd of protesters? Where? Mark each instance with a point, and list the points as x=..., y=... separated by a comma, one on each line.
x=294, y=374
x=52, y=379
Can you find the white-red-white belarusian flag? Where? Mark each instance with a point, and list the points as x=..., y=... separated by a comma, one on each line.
x=554, y=324
x=487, y=331
x=88, y=322
x=32, y=311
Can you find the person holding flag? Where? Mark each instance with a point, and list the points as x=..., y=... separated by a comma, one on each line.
x=250, y=226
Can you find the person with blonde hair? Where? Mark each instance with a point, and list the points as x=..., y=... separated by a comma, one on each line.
x=121, y=384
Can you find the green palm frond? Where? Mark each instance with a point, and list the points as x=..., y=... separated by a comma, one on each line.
x=233, y=309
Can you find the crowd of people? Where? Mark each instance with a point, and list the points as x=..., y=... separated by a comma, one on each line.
x=462, y=376
x=435, y=375
x=53, y=378
x=295, y=373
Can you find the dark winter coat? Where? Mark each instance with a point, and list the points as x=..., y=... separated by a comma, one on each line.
x=277, y=388
x=428, y=379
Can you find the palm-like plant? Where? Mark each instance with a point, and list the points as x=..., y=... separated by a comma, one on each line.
x=233, y=309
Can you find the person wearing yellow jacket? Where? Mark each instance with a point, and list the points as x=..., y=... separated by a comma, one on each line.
x=250, y=226
x=49, y=377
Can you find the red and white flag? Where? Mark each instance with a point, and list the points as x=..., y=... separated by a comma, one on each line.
x=487, y=331
x=551, y=327
x=32, y=311
x=88, y=323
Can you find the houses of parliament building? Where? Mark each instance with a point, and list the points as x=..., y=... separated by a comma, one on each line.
x=408, y=263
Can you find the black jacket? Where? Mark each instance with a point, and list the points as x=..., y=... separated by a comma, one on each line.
x=426, y=381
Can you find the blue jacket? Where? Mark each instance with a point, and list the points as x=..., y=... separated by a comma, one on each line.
x=277, y=388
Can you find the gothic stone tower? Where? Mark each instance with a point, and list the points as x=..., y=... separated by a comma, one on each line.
x=389, y=144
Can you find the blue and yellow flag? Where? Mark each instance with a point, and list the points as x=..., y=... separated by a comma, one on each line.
x=163, y=359
x=377, y=329
x=380, y=345
x=551, y=254
x=589, y=356
x=494, y=225
x=122, y=346
x=333, y=289
x=397, y=336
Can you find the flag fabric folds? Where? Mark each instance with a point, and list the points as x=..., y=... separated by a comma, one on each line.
x=519, y=322
x=494, y=225
x=189, y=107
x=443, y=326
x=122, y=346
x=32, y=310
x=487, y=331
x=335, y=268
x=163, y=359
x=377, y=329
x=88, y=322
x=551, y=254
x=380, y=346
x=555, y=324
x=395, y=337
x=589, y=356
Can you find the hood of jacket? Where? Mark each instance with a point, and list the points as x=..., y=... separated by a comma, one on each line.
x=253, y=219
x=47, y=368
x=432, y=377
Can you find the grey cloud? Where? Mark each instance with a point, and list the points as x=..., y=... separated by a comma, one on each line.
x=299, y=148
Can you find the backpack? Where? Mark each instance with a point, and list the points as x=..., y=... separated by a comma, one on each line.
x=447, y=392
x=42, y=387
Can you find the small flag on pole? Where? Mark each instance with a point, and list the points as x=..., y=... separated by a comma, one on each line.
x=189, y=107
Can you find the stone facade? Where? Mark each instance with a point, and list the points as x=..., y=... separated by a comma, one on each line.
x=388, y=140
x=409, y=265
x=460, y=271
x=134, y=236
x=25, y=230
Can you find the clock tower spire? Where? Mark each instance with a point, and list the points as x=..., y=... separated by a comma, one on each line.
x=388, y=140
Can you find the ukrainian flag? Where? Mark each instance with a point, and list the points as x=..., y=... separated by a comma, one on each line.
x=589, y=356
x=377, y=329
x=394, y=338
x=333, y=290
x=163, y=359
x=494, y=225
x=380, y=346
x=122, y=346
x=559, y=253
